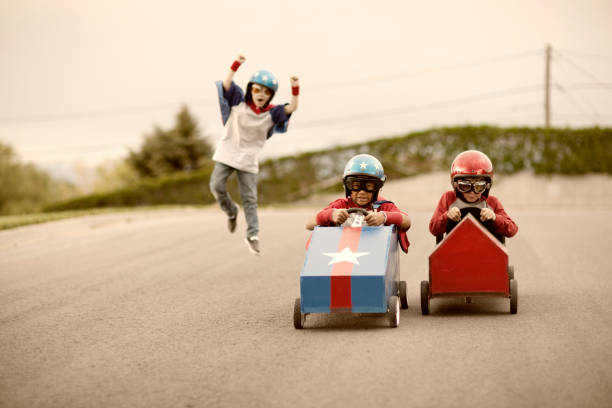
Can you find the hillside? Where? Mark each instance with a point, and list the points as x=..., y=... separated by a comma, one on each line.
x=286, y=179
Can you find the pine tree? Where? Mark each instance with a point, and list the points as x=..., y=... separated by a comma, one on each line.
x=181, y=148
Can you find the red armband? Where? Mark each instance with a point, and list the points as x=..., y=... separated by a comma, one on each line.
x=235, y=66
x=394, y=218
x=295, y=90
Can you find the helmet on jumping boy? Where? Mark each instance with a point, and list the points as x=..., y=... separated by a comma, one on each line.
x=263, y=78
x=368, y=171
x=472, y=163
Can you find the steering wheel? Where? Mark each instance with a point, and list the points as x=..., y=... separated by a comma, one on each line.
x=465, y=209
x=474, y=209
x=356, y=216
x=357, y=210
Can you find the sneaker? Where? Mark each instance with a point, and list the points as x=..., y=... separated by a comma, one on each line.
x=253, y=244
x=231, y=222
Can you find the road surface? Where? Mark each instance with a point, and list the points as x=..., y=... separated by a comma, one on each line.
x=167, y=309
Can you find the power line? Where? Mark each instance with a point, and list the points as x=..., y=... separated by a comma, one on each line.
x=588, y=85
x=594, y=117
x=407, y=109
x=425, y=71
x=357, y=82
x=53, y=117
x=575, y=114
x=82, y=148
x=585, y=72
x=426, y=106
x=590, y=55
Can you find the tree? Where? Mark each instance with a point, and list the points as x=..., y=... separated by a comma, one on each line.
x=181, y=148
x=25, y=187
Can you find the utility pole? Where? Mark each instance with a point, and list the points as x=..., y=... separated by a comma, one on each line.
x=547, y=88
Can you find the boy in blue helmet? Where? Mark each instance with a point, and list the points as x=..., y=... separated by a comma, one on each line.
x=363, y=178
x=249, y=121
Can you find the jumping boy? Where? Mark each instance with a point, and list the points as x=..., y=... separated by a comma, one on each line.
x=249, y=121
x=363, y=178
x=471, y=178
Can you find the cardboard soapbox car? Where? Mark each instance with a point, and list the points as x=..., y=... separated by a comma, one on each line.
x=351, y=269
x=469, y=261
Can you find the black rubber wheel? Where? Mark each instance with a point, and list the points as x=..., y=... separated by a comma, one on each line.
x=510, y=272
x=513, y=296
x=298, y=317
x=403, y=295
x=425, y=297
x=394, y=311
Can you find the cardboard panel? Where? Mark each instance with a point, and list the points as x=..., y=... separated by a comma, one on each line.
x=469, y=260
x=349, y=269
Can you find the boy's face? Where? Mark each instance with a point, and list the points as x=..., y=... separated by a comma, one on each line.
x=473, y=184
x=260, y=95
x=362, y=197
x=362, y=191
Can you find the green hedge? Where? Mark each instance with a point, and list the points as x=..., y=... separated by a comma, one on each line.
x=542, y=151
x=179, y=188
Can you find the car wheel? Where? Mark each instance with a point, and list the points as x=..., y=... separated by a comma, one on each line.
x=425, y=297
x=394, y=311
x=510, y=272
x=403, y=294
x=298, y=316
x=513, y=296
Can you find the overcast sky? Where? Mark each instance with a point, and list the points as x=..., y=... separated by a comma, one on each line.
x=83, y=81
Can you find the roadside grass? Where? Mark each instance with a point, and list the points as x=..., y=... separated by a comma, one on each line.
x=14, y=221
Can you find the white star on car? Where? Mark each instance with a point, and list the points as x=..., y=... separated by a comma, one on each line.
x=363, y=165
x=346, y=255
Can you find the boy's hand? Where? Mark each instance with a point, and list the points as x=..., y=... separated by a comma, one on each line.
x=487, y=214
x=454, y=214
x=339, y=215
x=375, y=219
x=233, y=68
x=295, y=81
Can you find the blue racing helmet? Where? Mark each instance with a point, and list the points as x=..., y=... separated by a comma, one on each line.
x=265, y=78
x=364, y=167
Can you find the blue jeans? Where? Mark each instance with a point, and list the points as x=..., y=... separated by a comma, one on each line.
x=247, y=182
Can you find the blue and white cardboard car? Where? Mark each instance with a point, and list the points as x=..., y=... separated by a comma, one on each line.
x=351, y=270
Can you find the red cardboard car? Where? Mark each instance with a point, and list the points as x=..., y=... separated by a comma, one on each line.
x=469, y=261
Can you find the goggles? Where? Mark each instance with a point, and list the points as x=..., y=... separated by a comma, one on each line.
x=358, y=184
x=257, y=89
x=465, y=186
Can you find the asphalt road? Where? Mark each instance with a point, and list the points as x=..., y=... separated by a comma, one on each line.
x=167, y=309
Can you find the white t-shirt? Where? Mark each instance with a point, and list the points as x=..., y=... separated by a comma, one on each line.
x=245, y=132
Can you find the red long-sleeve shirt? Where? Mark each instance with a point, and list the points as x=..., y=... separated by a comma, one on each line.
x=503, y=224
x=324, y=217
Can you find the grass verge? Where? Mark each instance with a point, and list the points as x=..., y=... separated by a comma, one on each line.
x=14, y=221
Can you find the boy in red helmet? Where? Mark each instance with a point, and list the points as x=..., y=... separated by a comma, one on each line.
x=471, y=178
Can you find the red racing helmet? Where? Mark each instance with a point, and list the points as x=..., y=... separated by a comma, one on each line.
x=472, y=163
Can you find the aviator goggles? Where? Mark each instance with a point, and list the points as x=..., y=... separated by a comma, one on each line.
x=257, y=89
x=358, y=184
x=465, y=186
